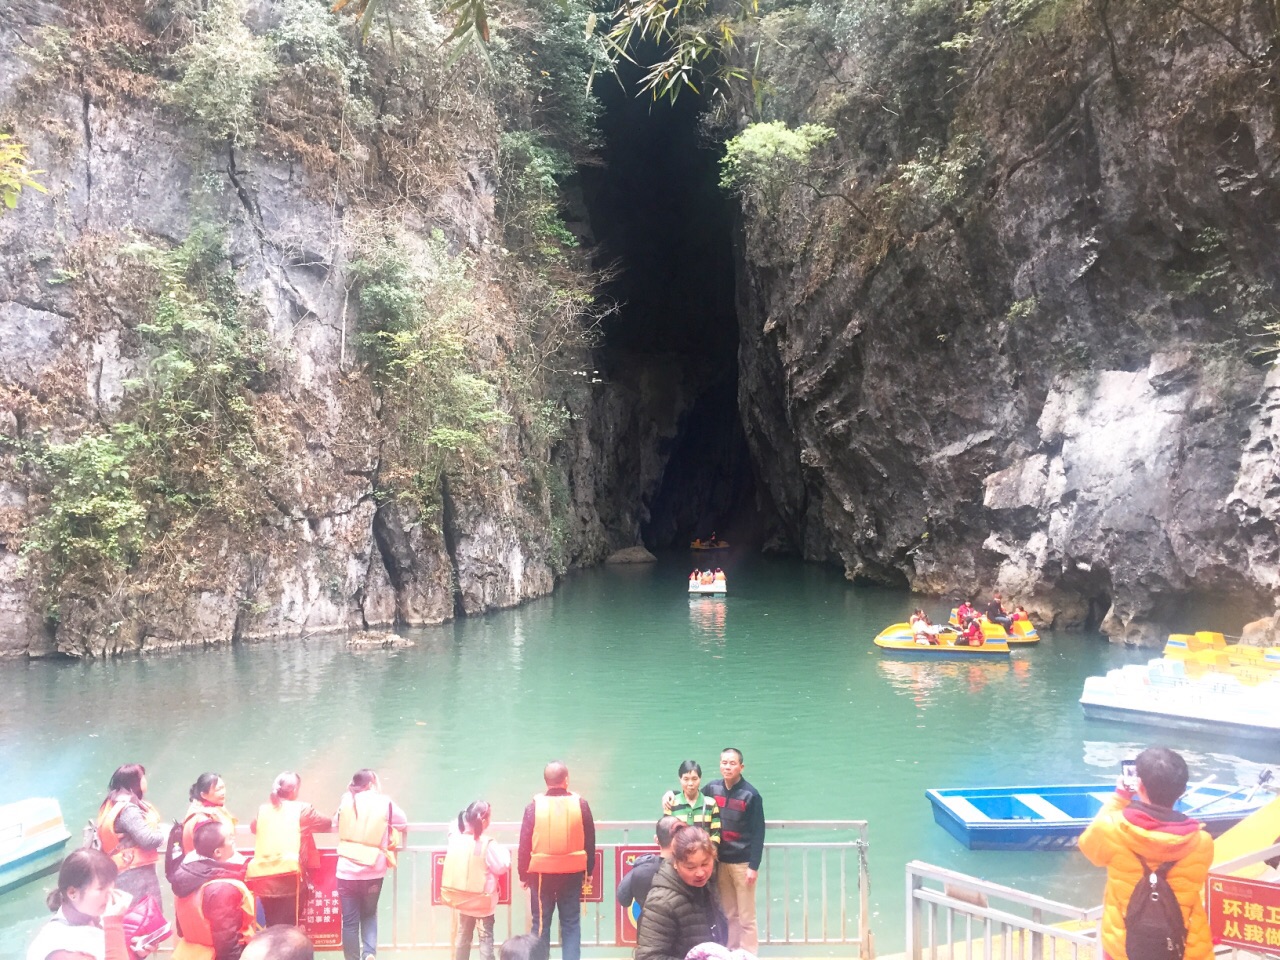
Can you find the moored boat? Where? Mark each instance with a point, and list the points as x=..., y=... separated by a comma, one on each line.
x=32, y=838
x=900, y=638
x=1053, y=817
x=1163, y=693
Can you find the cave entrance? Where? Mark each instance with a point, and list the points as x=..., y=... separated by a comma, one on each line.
x=660, y=219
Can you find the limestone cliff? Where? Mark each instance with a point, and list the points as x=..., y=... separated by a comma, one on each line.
x=307, y=510
x=1000, y=332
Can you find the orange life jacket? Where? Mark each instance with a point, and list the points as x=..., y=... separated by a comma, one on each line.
x=466, y=874
x=559, y=843
x=199, y=813
x=364, y=828
x=277, y=845
x=195, y=937
x=125, y=858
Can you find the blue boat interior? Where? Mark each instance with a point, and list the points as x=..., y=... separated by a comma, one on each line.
x=1026, y=807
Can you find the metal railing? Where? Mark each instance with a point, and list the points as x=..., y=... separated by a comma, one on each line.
x=813, y=889
x=951, y=916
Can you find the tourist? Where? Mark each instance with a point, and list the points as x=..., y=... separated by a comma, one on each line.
x=523, y=946
x=690, y=804
x=1137, y=832
x=635, y=885
x=964, y=613
x=208, y=797
x=719, y=575
x=557, y=851
x=1020, y=613
x=279, y=943
x=214, y=909
x=971, y=635
x=922, y=628
x=84, y=895
x=741, y=848
x=129, y=832
x=370, y=826
x=680, y=910
x=473, y=863
x=997, y=614
x=284, y=847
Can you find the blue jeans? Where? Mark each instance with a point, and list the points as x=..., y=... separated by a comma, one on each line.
x=359, y=917
x=562, y=891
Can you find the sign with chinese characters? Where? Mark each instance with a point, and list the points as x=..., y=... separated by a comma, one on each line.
x=1245, y=913
x=593, y=885
x=437, y=875
x=625, y=919
x=321, y=907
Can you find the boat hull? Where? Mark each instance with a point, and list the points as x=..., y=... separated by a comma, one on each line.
x=708, y=589
x=1052, y=818
x=909, y=648
x=1155, y=718
x=33, y=838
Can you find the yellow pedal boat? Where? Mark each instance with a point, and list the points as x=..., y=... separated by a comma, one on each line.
x=1024, y=631
x=900, y=638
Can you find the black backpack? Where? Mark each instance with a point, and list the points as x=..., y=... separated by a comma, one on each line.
x=1154, y=928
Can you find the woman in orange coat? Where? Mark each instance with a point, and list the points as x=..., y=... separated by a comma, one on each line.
x=1143, y=823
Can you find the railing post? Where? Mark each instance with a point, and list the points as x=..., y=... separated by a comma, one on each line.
x=866, y=947
x=1037, y=939
x=914, y=882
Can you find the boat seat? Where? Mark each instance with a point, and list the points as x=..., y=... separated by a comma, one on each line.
x=965, y=810
x=1041, y=806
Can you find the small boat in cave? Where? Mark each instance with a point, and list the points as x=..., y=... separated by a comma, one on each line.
x=712, y=544
x=32, y=838
x=900, y=639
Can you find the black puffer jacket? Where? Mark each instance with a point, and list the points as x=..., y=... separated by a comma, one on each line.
x=677, y=917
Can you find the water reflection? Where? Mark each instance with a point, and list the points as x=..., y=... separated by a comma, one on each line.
x=707, y=616
x=923, y=681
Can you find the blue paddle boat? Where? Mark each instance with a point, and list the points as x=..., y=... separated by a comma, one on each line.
x=1051, y=818
x=32, y=838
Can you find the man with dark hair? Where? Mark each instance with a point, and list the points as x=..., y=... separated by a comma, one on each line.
x=636, y=884
x=557, y=852
x=1136, y=833
x=741, y=848
x=279, y=943
x=997, y=614
x=213, y=907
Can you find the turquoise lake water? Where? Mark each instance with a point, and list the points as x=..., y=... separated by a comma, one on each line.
x=622, y=676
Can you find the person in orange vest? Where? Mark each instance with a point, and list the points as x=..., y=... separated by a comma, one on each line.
x=208, y=802
x=283, y=849
x=557, y=852
x=214, y=908
x=129, y=832
x=473, y=863
x=370, y=827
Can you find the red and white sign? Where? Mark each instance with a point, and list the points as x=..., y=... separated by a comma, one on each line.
x=321, y=908
x=1245, y=913
x=625, y=918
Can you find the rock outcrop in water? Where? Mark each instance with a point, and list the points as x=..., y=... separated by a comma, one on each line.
x=999, y=332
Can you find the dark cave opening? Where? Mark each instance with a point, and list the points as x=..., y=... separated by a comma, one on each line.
x=659, y=217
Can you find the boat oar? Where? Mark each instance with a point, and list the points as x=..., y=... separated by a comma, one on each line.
x=1263, y=778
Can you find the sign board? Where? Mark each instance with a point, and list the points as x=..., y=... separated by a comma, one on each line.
x=625, y=918
x=437, y=875
x=593, y=886
x=1245, y=913
x=321, y=907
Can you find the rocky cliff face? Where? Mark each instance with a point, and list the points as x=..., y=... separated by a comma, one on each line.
x=999, y=332
x=319, y=536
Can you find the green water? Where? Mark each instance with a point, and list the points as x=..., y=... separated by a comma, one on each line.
x=623, y=676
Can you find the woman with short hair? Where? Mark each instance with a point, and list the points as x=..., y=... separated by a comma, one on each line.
x=682, y=909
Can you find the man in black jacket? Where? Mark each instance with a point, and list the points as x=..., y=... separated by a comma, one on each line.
x=212, y=905
x=636, y=883
x=741, y=848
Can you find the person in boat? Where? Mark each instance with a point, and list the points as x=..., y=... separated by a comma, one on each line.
x=996, y=613
x=923, y=629
x=719, y=575
x=214, y=908
x=208, y=797
x=1020, y=613
x=83, y=900
x=284, y=847
x=964, y=613
x=707, y=578
x=1138, y=826
x=690, y=805
x=695, y=577
x=369, y=826
x=473, y=864
x=635, y=885
x=129, y=832
x=971, y=635
x=681, y=908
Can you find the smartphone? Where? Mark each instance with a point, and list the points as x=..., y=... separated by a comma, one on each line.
x=1129, y=773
